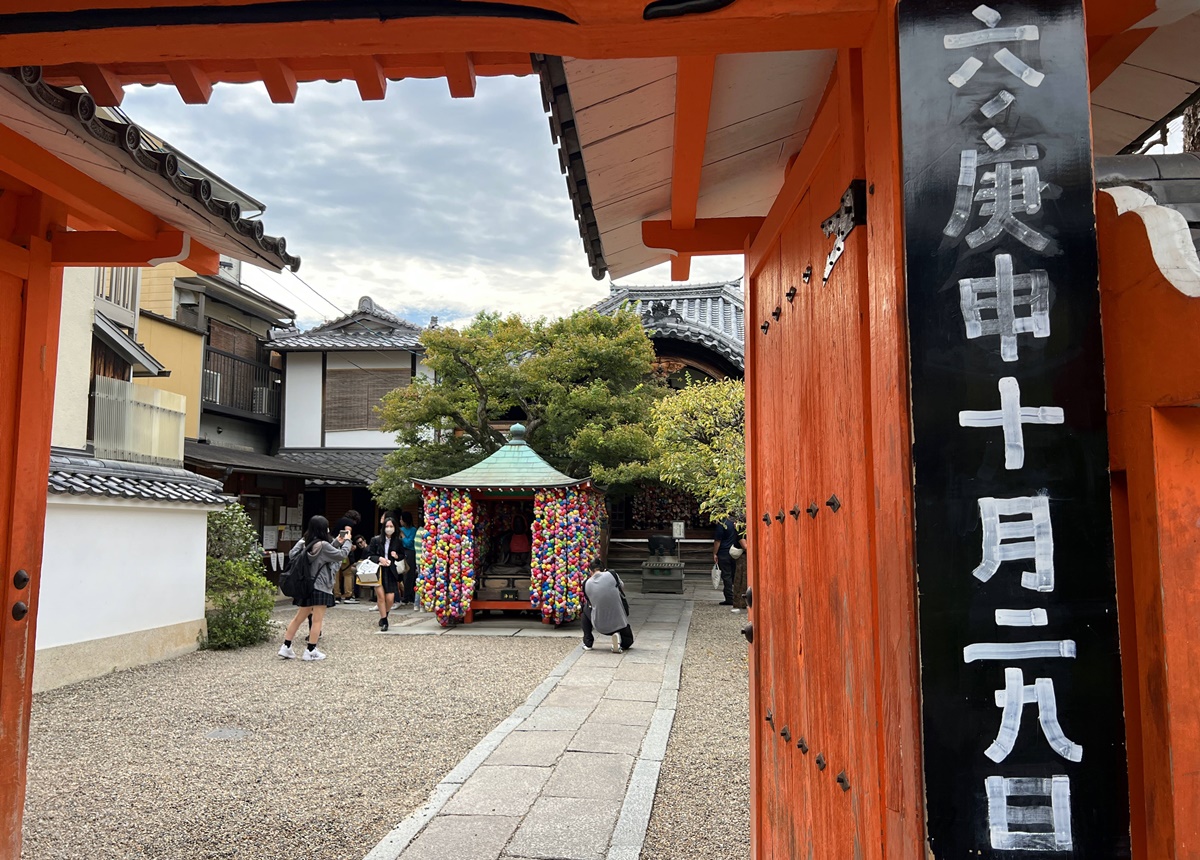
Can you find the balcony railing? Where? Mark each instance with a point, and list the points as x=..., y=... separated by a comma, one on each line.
x=137, y=424
x=239, y=386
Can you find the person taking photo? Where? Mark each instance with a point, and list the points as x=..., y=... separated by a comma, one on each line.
x=325, y=556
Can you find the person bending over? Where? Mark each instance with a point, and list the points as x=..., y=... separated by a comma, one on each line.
x=606, y=611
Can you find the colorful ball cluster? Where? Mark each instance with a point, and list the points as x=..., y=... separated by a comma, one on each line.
x=446, y=579
x=565, y=542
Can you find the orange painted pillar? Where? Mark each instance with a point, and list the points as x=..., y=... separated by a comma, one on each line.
x=28, y=357
x=1153, y=384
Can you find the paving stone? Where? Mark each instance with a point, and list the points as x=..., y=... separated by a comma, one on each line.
x=619, y=712
x=601, y=776
x=629, y=671
x=538, y=749
x=637, y=691
x=644, y=655
x=483, y=630
x=600, y=656
x=595, y=736
x=548, y=632
x=655, y=635
x=567, y=696
x=499, y=790
x=464, y=837
x=550, y=718
x=588, y=676
x=566, y=828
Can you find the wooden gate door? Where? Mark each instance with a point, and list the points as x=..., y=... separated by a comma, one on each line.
x=813, y=610
x=31, y=293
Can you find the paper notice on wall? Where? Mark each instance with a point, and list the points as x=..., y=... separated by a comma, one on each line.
x=270, y=537
x=291, y=533
x=293, y=516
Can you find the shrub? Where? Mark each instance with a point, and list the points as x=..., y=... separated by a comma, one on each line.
x=240, y=598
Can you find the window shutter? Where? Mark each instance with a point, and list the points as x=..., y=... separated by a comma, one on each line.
x=352, y=395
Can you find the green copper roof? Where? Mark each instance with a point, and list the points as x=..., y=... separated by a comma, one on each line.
x=516, y=466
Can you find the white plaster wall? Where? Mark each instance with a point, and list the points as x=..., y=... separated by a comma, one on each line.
x=302, y=407
x=360, y=439
x=424, y=370
x=73, y=376
x=111, y=567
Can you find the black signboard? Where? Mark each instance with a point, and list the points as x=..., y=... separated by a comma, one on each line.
x=1024, y=738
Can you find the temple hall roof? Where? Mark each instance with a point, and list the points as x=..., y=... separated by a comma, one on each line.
x=515, y=466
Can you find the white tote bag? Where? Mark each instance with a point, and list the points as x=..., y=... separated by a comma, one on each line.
x=716, y=576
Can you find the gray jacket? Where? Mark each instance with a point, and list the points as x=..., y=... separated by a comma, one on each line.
x=603, y=589
x=325, y=558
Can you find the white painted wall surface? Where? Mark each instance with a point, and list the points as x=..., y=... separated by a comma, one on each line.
x=302, y=404
x=360, y=439
x=111, y=567
x=73, y=376
x=424, y=370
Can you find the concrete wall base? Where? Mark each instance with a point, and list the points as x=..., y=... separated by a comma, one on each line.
x=69, y=664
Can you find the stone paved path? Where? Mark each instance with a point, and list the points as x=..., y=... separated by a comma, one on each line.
x=571, y=774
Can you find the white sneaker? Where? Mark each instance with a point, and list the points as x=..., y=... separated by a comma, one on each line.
x=735, y=609
x=616, y=643
x=314, y=654
x=587, y=647
x=286, y=652
x=350, y=600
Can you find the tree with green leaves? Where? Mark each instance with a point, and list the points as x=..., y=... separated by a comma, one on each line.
x=700, y=433
x=239, y=597
x=584, y=387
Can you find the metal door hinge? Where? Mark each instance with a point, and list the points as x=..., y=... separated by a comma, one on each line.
x=851, y=214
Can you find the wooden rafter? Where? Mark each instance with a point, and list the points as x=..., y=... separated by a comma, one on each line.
x=460, y=74
x=102, y=84
x=27, y=162
x=369, y=76
x=193, y=83
x=280, y=80
x=693, y=99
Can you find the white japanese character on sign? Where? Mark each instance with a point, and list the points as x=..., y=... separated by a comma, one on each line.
x=1012, y=417
x=1028, y=535
x=1054, y=820
x=993, y=35
x=1000, y=297
x=1041, y=650
x=1013, y=699
x=1005, y=193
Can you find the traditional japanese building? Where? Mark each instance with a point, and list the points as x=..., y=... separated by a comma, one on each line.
x=698, y=330
x=933, y=405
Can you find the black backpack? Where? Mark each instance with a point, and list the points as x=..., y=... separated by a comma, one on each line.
x=296, y=581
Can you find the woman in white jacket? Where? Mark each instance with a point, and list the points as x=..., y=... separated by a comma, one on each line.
x=324, y=558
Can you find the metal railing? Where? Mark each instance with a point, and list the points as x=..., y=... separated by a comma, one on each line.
x=137, y=424
x=239, y=385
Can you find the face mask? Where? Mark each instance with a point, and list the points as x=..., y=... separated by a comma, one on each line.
x=389, y=531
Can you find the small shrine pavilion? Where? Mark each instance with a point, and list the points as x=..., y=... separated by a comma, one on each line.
x=509, y=533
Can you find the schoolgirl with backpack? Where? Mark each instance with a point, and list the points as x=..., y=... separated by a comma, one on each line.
x=309, y=582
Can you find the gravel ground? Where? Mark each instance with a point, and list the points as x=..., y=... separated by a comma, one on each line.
x=244, y=755
x=702, y=806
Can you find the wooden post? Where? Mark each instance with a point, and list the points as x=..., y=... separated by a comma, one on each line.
x=28, y=358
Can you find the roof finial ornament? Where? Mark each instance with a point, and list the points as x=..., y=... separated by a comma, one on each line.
x=365, y=304
x=517, y=434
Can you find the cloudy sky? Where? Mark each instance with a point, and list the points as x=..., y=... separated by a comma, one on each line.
x=431, y=205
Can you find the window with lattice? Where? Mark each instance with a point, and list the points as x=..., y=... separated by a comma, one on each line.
x=352, y=395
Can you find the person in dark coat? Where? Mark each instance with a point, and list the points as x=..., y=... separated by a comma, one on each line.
x=387, y=550
x=725, y=538
x=408, y=533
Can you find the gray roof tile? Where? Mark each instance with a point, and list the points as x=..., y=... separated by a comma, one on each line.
x=359, y=465
x=77, y=474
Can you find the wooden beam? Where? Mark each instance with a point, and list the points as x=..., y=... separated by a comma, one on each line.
x=29, y=163
x=693, y=99
x=608, y=30
x=102, y=84
x=460, y=75
x=279, y=80
x=1107, y=53
x=106, y=248
x=14, y=260
x=202, y=260
x=708, y=236
x=368, y=74
x=193, y=83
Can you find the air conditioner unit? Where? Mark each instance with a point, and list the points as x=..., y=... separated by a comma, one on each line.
x=264, y=400
x=210, y=386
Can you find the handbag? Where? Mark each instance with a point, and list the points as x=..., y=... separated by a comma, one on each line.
x=401, y=566
x=367, y=572
x=735, y=552
x=716, y=576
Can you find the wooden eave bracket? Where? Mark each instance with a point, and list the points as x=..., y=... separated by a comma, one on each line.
x=106, y=248
x=460, y=75
x=1168, y=234
x=709, y=236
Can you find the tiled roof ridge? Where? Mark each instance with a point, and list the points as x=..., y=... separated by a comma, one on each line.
x=73, y=474
x=164, y=166
x=681, y=288
x=366, y=308
x=63, y=461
